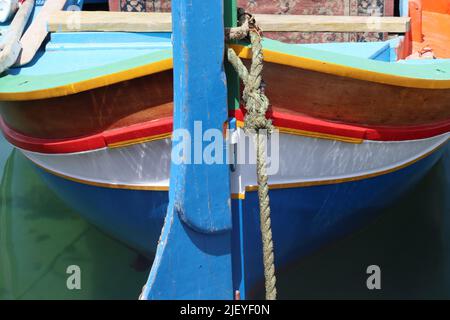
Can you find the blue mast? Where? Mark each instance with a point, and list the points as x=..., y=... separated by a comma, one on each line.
x=193, y=259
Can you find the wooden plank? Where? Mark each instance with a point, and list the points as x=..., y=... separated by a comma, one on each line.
x=11, y=47
x=161, y=22
x=69, y=21
x=37, y=31
x=332, y=23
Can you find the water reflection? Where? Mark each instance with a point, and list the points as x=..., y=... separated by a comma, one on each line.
x=40, y=237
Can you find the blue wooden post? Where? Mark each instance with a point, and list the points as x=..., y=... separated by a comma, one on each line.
x=193, y=259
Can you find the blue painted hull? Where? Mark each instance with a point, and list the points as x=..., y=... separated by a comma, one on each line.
x=303, y=219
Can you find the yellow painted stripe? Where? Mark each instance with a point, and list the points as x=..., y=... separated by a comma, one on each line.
x=127, y=143
x=244, y=52
x=318, y=135
x=89, y=84
x=312, y=134
x=342, y=70
x=238, y=196
x=240, y=124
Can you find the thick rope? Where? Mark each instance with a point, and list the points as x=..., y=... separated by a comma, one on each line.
x=256, y=104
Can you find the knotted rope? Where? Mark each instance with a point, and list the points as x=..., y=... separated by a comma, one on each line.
x=256, y=104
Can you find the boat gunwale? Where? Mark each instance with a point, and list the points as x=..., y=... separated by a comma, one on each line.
x=274, y=52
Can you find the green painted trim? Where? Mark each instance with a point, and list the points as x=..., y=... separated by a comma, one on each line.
x=233, y=81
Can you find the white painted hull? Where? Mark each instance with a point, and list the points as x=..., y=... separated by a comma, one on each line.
x=303, y=161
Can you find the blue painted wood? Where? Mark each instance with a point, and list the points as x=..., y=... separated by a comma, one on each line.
x=89, y=50
x=136, y=217
x=112, y=41
x=239, y=253
x=200, y=99
x=366, y=50
x=110, y=37
x=394, y=45
x=193, y=258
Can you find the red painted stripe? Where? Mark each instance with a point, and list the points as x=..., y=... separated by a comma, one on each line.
x=305, y=123
x=91, y=142
x=139, y=131
x=164, y=125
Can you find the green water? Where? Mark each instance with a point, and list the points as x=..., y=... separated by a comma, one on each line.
x=40, y=237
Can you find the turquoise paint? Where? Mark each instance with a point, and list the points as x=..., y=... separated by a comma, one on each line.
x=196, y=237
x=380, y=51
x=439, y=71
x=422, y=61
x=367, y=50
x=118, y=38
x=94, y=49
x=44, y=75
x=130, y=50
x=24, y=80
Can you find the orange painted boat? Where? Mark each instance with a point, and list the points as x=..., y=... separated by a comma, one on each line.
x=431, y=27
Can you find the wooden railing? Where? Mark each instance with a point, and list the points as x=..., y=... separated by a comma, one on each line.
x=70, y=21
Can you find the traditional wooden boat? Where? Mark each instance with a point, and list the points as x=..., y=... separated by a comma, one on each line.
x=357, y=127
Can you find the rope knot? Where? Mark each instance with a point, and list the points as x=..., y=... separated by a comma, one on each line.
x=256, y=105
x=254, y=98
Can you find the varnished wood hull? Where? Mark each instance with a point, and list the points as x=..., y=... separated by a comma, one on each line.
x=290, y=90
x=90, y=112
